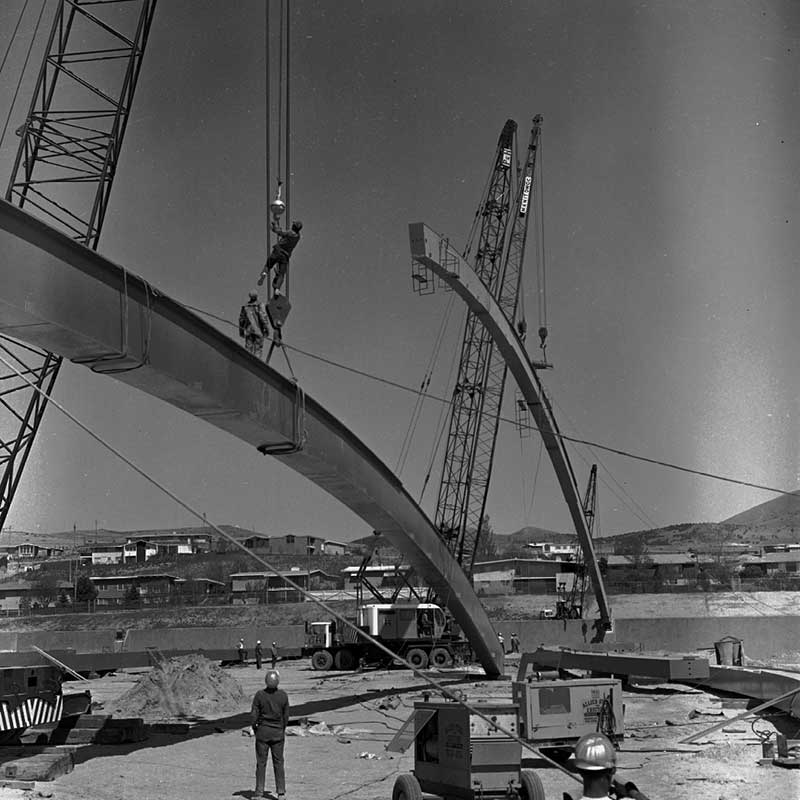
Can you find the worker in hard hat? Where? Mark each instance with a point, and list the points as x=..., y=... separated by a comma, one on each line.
x=269, y=717
x=253, y=325
x=273, y=652
x=259, y=654
x=281, y=251
x=595, y=759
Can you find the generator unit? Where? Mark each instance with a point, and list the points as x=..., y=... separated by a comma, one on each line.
x=556, y=713
x=458, y=754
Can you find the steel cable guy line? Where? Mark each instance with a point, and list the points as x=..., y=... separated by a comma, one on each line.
x=13, y=36
x=564, y=437
x=446, y=692
x=22, y=72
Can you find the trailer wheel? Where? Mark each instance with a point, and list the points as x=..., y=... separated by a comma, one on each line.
x=322, y=660
x=530, y=785
x=406, y=787
x=417, y=657
x=440, y=657
x=345, y=660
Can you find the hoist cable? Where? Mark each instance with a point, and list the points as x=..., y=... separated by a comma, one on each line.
x=266, y=127
x=280, y=91
x=287, y=162
x=540, y=254
x=22, y=73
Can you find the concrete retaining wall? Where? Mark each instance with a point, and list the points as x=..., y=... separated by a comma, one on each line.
x=762, y=637
x=289, y=638
x=80, y=641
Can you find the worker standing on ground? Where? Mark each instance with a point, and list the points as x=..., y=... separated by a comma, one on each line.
x=253, y=326
x=281, y=251
x=242, y=651
x=274, y=653
x=269, y=717
x=259, y=654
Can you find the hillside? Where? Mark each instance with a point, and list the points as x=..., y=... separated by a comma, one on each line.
x=780, y=513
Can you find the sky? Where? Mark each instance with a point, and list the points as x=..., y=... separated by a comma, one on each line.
x=671, y=197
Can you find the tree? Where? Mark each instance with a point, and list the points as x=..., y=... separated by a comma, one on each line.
x=85, y=590
x=132, y=597
x=487, y=547
x=45, y=589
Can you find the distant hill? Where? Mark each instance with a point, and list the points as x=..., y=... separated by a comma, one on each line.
x=780, y=513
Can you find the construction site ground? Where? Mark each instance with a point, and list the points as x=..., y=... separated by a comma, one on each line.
x=341, y=723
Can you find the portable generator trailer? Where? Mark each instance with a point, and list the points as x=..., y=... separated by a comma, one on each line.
x=458, y=755
x=556, y=713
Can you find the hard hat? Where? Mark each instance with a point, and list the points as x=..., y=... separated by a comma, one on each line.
x=253, y=294
x=594, y=751
x=297, y=225
x=272, y=679
x=258, y=641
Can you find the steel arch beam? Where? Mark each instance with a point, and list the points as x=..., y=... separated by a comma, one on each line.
x=435, y=252
x=67, y=299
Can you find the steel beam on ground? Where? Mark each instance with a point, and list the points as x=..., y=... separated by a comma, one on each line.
x=67, y=299
x=668, y=668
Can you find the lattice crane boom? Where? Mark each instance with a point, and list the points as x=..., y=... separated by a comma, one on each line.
x=479, y=388
x=63, y=173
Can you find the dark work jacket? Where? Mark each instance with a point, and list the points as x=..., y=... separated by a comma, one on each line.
x=270, y=713
x=287, y=241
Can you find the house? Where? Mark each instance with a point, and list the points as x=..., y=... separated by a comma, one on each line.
x=531, y=575
x=331, y=548
x=296, y=545
x=14, y=596
x=386, y=576
x=258, y=543
x=253, y=588
x=499, y=582
x=152, y=589
x=107, y=554
x=564, y=552
x=773, y=563
x=674, y=569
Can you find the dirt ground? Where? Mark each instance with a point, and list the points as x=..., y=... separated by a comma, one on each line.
x=346, y=758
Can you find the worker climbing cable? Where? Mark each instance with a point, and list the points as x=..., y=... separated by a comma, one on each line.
x=281, y=252
x=253, y=326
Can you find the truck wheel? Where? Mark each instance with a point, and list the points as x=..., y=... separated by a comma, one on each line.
x=530, y=785
x=322, y=660
x=440, y=657
x=345, y=660
x=406, y=787
x=417, y=657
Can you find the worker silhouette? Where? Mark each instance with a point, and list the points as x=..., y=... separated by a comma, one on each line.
x=253, y=325
x=281, y=252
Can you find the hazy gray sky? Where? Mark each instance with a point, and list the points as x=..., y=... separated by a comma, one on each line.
x=671, y=182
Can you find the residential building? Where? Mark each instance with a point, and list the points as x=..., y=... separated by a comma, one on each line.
x=563, y=552
x=530, y=575
x=253, y=588
x=152, y=589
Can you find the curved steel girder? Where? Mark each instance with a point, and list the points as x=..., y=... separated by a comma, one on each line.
x=69, y=300
x=434, y=252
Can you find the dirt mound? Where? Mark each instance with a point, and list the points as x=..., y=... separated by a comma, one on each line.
x=182, y=688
